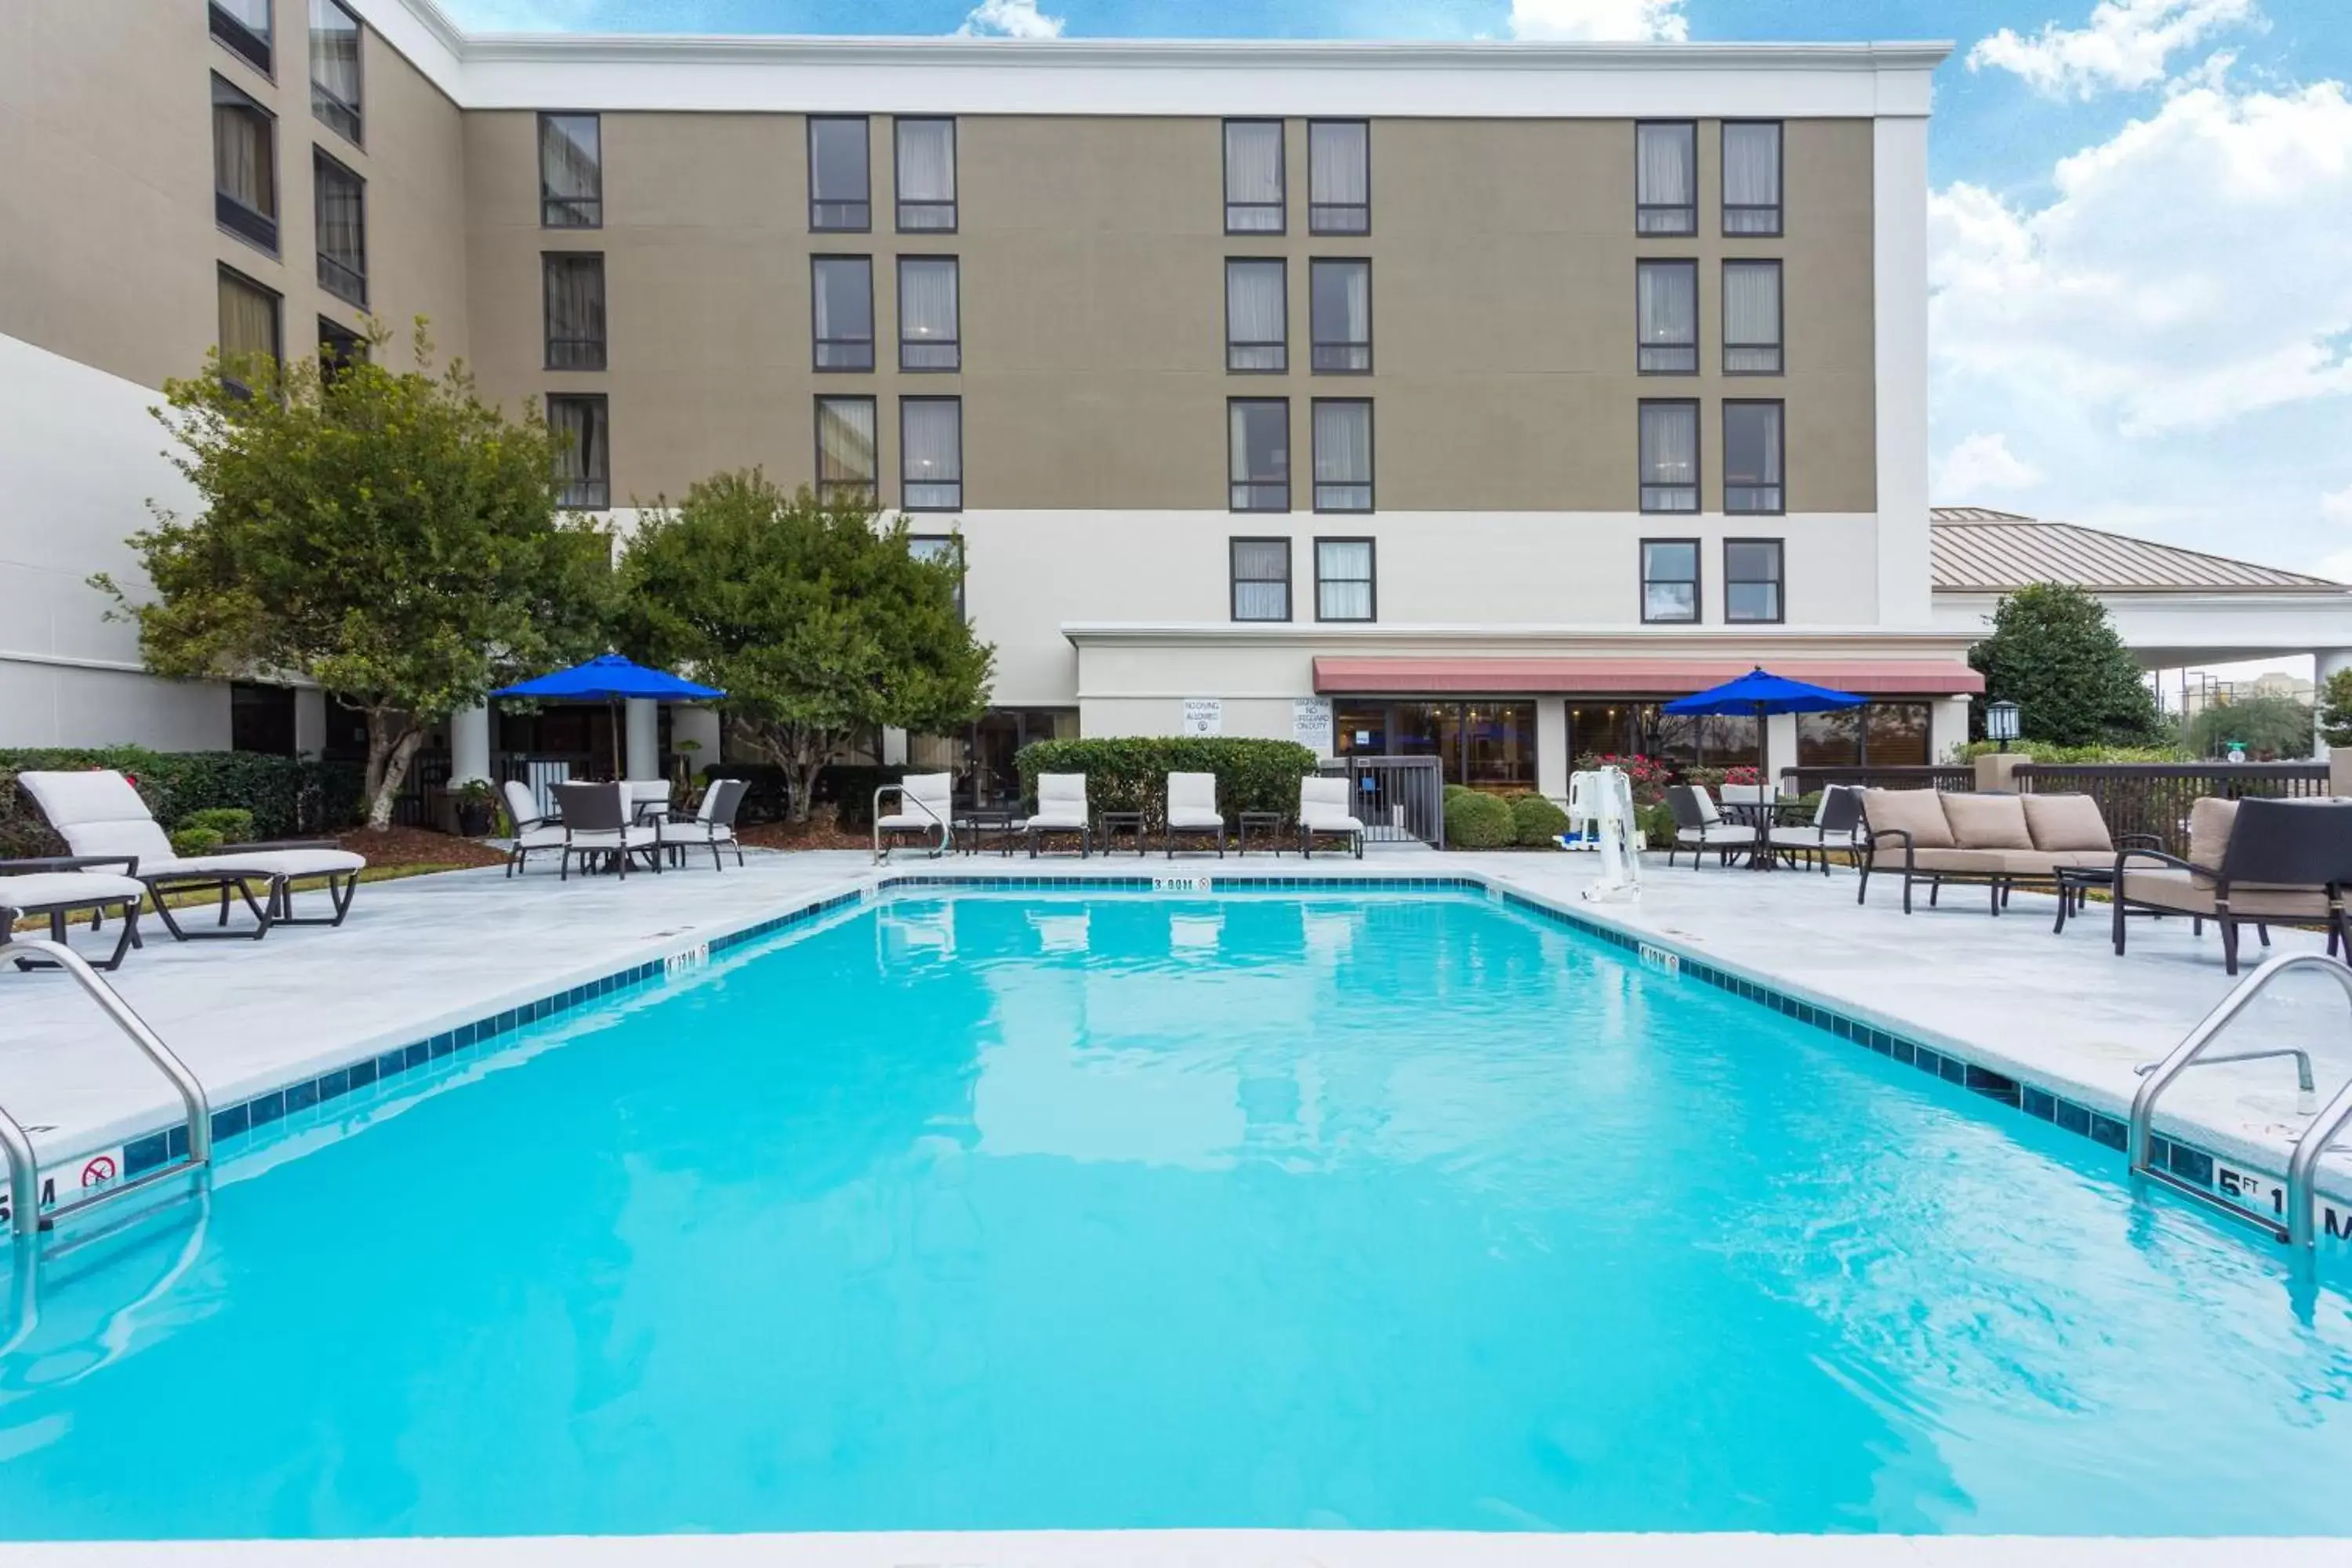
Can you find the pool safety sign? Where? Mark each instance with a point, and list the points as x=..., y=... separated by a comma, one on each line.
x=1310, y=723
x=1205, y=716
x=66, y=1182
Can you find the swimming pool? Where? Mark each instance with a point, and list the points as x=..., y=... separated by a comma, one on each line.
x=1016, y=1210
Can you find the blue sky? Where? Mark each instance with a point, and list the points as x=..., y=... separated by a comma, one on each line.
x=2141, y=221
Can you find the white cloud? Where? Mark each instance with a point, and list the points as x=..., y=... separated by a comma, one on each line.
x=1601, y=21
x=2125, y=46
x=2335, y=506
x=1009, y=20
x=1977, y=464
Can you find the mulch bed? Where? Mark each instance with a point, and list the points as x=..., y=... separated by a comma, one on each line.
x=815, y=834
x=419, y=846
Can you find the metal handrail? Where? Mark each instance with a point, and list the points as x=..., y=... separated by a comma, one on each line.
x=2303, y=1165
x=24, y=1172
x=946, y=833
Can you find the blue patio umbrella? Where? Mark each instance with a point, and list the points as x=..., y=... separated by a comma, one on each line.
x=1761, y=692
x=609, y=678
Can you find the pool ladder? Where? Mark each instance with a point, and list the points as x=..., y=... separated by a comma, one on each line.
x=2303, y=1165
x=25, y=1219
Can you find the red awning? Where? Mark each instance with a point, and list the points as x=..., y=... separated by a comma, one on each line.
x=1634, y=677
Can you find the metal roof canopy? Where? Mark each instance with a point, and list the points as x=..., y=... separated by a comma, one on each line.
x=1976, y=550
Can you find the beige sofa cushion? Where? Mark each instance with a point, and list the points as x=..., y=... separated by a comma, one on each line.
x=2067, y=822
x=1889, y=857
x=2210, y=818
x=2170, y=888
x=1988, y=821
x=1918, y=812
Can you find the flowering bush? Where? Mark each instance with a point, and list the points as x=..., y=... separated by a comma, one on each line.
x=1648, y=775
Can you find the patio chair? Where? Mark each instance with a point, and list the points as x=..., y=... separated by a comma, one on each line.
x=1699, y=827
x=2249, y=862
x=533, y=831
x=648, y=799
x=712, y=823
x=65, y=885
x=596, y=828
x=100, y=816
x=924, y=808
x=1061, y=808
x=1836, y=825
x=1193, y=810
x=1323, y=813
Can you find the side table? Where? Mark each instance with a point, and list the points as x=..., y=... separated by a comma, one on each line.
x=1265, y=824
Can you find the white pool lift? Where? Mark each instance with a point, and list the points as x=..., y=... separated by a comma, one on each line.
x=1603, y=803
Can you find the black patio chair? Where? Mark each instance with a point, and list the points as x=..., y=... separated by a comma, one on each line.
x=2286, y=862
x=596, y=828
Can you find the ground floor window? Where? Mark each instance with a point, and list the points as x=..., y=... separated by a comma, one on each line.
x=1877, y=734
x=261, y=718
x=1603, y=728
x=1485, y=743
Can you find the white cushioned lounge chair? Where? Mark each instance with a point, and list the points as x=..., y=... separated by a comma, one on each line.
x=1193, y=810
x=1323, y=813
x=924, y=810
x=534, y=834
x=1061, y=808
x=67, y=885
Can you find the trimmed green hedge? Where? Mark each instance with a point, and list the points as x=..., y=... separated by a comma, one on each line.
x=1129, y=773
x=1536, y=821
x=1478, y=821
x=285, y=797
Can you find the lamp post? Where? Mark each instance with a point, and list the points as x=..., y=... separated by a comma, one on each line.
x=2000, y=721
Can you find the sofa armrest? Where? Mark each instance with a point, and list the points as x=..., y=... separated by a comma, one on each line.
x=2158, y=857
x=1872, y=835
x=130, y=864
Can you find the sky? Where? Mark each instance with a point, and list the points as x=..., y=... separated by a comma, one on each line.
x=2140, y=225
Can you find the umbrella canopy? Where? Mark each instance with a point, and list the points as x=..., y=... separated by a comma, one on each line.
x=609, y=678
x=1760, y=691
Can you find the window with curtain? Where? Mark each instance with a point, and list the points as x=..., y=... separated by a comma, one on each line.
x=243, y=26
x=845, y=462
x=1261, y=570
x=931, y=454
x=1257, y=314
x=574, y=283
x=1751, y=176
x=249, y=326
x=1751, y=457
x=929, y=333
x=1666, y=305
x=1254, y=177
x=1340, y=315
x=1338, y=176
x=1669, y=580
x=1665, y=177
x=839, y=190
x=583, y=462
x=571, y=172
x=338, y=347
x=1343, y=454
x=1259, y=471
x=946, y=549
x=1669, y=441
x=926, y=176
x=335, y=67
x=841, y=299
x=1751, y=580
x=339, y=212
x=1343, y=580
x=245, y=167
x=1751, y=318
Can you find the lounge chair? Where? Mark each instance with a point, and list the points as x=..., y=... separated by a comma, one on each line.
x=100, y=816
x=924, y=809
x=712, y=823
x=1061, y=808
x=1699, y=827
x=2250, y=861
x=533, y=831
x=648, y=799
x=1193, y=810
x=1836, y=826
x=1323, y=813
x=596, y=828
x=66, y=885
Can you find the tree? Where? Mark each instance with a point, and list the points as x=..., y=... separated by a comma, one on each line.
x=386, y=534
x=2335, y=709
x=2272, y=726
x=2055, y=654
x=815, y=619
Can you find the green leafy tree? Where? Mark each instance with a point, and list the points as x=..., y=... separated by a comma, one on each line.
x=811, y=614
x=384, y=534
x=2265, y=726
x=2335, y=709
x=2054, y=652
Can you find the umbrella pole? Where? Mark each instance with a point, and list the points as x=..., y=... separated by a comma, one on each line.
x=617, y=774
x=1765, y=797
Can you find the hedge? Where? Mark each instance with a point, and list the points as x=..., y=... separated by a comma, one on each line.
x=1474, y=820
x=1130, y=772
x=1536, y=822
x=288, y=797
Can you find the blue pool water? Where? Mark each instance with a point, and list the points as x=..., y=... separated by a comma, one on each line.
x=1024, y=1211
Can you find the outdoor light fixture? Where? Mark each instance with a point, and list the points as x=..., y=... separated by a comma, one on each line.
x=2000, y=721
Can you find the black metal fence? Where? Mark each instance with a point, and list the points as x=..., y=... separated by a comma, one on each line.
x=1805, y=781
x=1398, y=799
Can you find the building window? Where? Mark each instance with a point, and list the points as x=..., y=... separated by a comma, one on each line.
x=1485, y=743
x=1752, y=458
x=335, y=67
x=249, y=330
x=574, y=283
x=931, y=454
x=243, y=26
x=840, y=295
x=1261, y=571
x=845, y=464
x=1751, y=176
x=1669, y=439
x=1257, y=314
x=1338, y=176
x=1751, y=580
x=1877, y=735
x=571, y=172
x=261, y=718
x=1751, y=318
x=946, y=549
x=1669, y=580
x=839, y=201
x=245, y=167
x=1666, y=301
x=1254, y=177
x=1343, y=454
x=929, y=329
x=927, y=175
x=340, y=215
x=1260, y=469
x=1339, y=316
x=1665, y=177
x=1343, y=580
x=584, y=464
x=340, y=348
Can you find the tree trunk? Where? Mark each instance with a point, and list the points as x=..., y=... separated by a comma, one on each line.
x=392, y=741
x=799, y=752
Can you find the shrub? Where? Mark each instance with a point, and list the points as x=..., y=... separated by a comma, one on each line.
x=2045, y=752
x=1536, y=822
x=1477, y=821
x=1130, y=772
x=190, y=842
x=1648, y=775
x=286, y=797
x=227, y=824
x=1657, y=824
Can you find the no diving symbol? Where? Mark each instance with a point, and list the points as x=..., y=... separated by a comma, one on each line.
x=99, y=1171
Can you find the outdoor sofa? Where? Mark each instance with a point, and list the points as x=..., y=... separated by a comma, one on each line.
x=63, y=886
x=1998, y=841
x=2254, y=862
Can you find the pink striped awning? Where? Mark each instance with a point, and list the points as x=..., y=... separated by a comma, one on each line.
x=1634, y=677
